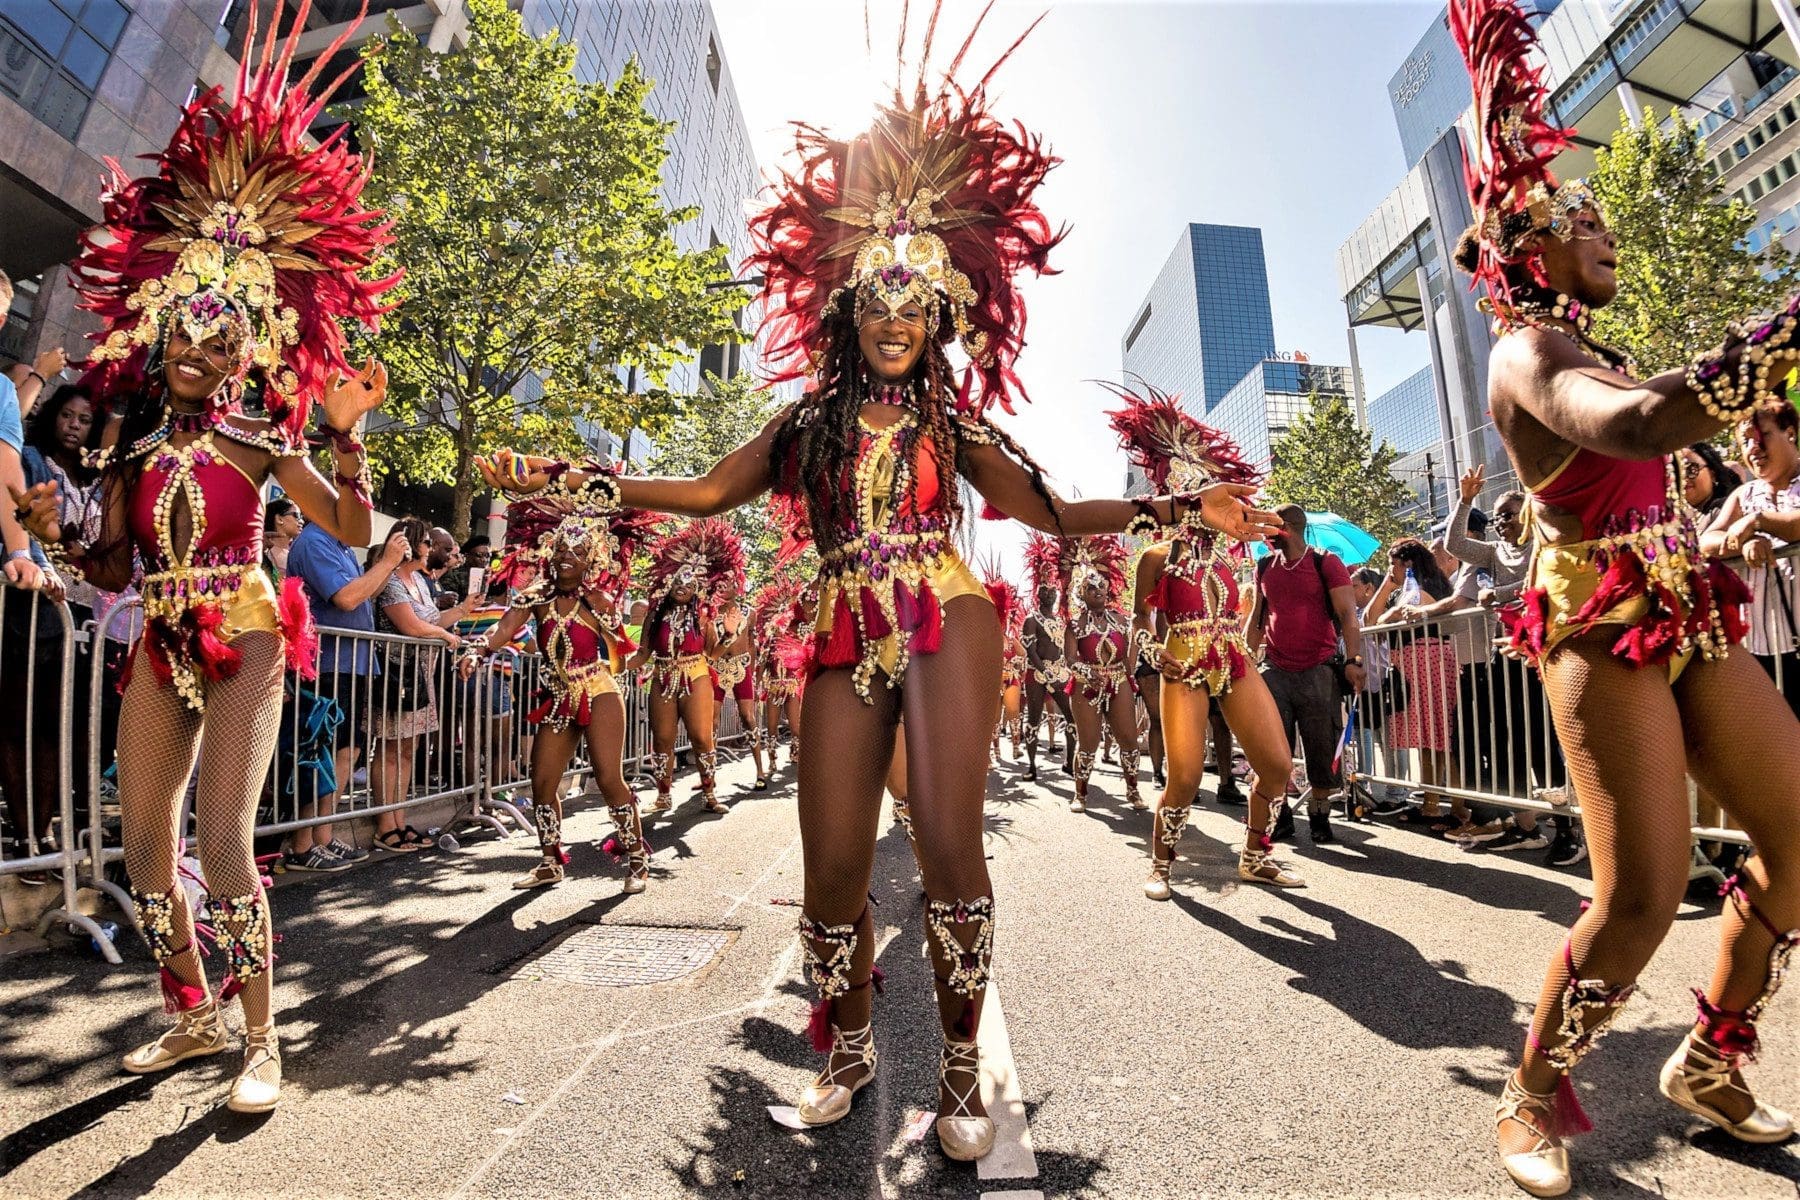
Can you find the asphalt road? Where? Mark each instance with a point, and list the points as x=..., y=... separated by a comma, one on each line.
x=1346, y=1039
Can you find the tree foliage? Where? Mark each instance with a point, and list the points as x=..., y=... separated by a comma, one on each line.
x=1325, y=463
x=538, y=255
x=705, y=428
x=1684, y=270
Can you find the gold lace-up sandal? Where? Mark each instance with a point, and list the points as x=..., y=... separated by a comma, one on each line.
x=1543, y=1169
x=257, y=1088
x=1708, y=1065
x=963, y=1135
x=1167, y=824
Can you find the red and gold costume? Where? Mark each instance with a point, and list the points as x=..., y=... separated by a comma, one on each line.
x=1101, y=637
x=1197, y=589
x=249, y=241
x=584, y=648
x=1618, y=554
x=707, y=556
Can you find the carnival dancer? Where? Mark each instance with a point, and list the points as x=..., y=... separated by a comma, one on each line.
x=1098, y=645
x=1145, y=683
x=1047, y=666
x=692, y=571
x=1012, y=669
x=227, y=270
x=877, y=251
x=1190, y=578
x=737, y=678
x=1633, y=632
x=783, y=641
x=568, y=571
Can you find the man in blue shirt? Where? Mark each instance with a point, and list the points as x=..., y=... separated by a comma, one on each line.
x=21, y=564
x=341, y=594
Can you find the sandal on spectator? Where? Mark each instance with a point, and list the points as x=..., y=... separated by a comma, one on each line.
x=395, y=840
x=415, y=839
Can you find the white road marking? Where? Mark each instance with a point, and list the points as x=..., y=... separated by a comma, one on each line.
x=1012, y=1156
x=1030, y=1195
x=752, y=889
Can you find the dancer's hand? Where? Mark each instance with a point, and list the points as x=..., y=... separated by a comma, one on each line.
x=1168, y=665
x=520, y=474
x=38, y=510
x=1225, y=507
x=345, y=405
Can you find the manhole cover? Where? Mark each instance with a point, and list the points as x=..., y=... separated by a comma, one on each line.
x=626, y=955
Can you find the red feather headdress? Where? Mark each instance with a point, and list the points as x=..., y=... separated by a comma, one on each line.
x=1176, y=452
x=1043, y=563
x=538, y=525
x=1005, y=597
x=1507, y=172
x=1102, y=555
x=771, y=608
x=707, y=554
x=244, y=230
x=933, y=202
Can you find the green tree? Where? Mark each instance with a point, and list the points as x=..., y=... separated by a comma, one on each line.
x=1684, y=272
x=1325, y=463
x=538, y=255
x=706, y=427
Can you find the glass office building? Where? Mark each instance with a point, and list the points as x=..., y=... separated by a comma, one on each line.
x=1206, y=320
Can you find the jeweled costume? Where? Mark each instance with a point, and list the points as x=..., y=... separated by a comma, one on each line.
x=931, y=206
x=579, y=634
x=1197, y=592
x=708, y=557
x=250, y=233
x=1635, y=567
x=1100, y=640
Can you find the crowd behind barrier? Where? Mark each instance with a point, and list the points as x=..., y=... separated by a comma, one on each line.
x=60, y=823
x=1445, y=716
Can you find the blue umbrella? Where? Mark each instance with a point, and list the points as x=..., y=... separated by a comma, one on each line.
x=1328, y=531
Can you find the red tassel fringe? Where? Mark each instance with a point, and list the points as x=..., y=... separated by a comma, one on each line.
x=296, y=619
x=1566, y=1114
x=177, y=995
x=818, y=1026
x=839, y=648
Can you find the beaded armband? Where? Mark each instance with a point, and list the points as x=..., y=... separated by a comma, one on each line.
x=977, y=431
x=1146, y=523
x=600, y=489
x=1148, y=652
x=341, y=441
x=1726, y=395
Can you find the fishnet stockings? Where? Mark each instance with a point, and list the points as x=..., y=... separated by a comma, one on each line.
x=159, y=739
x=1036, y=693
x=1116, y=715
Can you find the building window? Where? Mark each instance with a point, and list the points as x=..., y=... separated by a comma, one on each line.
x=713, y=64
x=52, y=54
x=1756, y=190
x=1742, y=149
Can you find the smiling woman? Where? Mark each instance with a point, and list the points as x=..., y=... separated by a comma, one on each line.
x=879, y=252
x=1634, y=632
x=196, y=312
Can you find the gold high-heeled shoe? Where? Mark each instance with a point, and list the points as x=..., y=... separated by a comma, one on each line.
x=825, y=1100
x=964, y=1136
x=257, y=1089
x=1542, y=1170
x=197, y=1033
x=1696, y=1071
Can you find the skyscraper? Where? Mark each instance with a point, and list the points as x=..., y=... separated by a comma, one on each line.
x=1206, y=321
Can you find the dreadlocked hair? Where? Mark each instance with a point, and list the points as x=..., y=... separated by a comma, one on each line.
x=819, y=442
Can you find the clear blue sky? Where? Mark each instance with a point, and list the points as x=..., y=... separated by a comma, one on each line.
x=1270, y=114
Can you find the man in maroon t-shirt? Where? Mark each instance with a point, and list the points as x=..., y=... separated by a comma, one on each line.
x=1299, y=592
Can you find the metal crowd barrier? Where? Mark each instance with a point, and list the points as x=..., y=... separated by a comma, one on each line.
x=1472, y=724
x=467, y=742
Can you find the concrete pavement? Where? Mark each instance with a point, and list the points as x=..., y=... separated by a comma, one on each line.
x=1345, y=1039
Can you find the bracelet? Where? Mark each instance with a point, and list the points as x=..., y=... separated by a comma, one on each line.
x=600, y=489
x=357, y=485
x=1145, y=523
x=33, y=374
x=16, y=555
x=1727, y=396
x=1148, y=652
x=341, y=441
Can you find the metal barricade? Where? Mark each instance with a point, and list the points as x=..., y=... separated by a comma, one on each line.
x=1446, y=715
x=38, y=645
